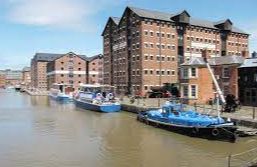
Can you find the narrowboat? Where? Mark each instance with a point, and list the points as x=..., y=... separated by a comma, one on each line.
x=173, y=117
x=17, y=87
x=61, y=92
x=99, y=98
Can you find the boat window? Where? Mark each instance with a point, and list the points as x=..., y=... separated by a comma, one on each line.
x=61, y=88
x=166, y=110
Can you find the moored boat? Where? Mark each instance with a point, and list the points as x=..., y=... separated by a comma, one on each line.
x=173, y=117
x=61, y=92
x=97, y=98
x=17, y=87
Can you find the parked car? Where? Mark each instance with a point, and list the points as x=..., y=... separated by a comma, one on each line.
x=166, y=91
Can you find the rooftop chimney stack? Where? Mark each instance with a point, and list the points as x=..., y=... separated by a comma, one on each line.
x=254, y=55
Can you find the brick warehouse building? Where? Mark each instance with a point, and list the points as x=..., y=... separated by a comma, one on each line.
x=26, y=77
x=67, y=69
x=12, y=77
x=143, y=48
x=95, y=68
x=39, y=70
x=2, y=80
x=48, y=68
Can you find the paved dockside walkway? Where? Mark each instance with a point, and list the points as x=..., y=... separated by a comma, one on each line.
x=36, y=93
x=245, y=116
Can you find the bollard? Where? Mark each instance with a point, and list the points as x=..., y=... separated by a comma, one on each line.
x=253, y=112
x=229, y=159
x=159, y=102
x=195, y=106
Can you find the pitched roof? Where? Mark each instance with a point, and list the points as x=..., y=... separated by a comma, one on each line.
x=52, y=56
x=194, y=61
x=223, y=21
x=225, y=60
x=61, y=55
x=94, y=57
x=45, y=56
x=251, y=62
x=214, y=61
x=26, y=69
x=152, y=14
x=116, y=20
x=167, y=17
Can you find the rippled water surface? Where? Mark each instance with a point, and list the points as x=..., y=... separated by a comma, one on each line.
x=38, y=132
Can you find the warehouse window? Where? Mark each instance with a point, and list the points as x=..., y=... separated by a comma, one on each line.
x=193, y=91
x=185, y=90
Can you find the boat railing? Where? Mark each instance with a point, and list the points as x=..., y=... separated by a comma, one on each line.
x=244, y=159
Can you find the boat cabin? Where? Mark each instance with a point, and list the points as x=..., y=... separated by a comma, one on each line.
x=63, y=88
x=89, y=91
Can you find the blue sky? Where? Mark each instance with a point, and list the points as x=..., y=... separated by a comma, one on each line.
x=60, y=26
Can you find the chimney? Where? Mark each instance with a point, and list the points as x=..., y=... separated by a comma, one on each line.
x=245, y=54
x=205, y=55
x=254, y=55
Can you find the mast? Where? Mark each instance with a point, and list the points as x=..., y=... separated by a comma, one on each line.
x=219, y=93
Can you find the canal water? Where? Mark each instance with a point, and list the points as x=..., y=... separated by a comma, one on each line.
x=38, y=132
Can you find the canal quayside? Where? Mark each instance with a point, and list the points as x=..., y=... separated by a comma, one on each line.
x=54, y=134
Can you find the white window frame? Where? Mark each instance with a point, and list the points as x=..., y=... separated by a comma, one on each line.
x=196, y=72
x=196, y=91
x=223, y=72
x=183, y=72
x=183, y=90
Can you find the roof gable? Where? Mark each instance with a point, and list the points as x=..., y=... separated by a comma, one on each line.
x=156, y=15
x=109, y=22
x=182, y=17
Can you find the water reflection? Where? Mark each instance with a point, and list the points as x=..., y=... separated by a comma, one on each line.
x=36, y=131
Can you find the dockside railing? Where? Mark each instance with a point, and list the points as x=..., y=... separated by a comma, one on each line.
x=244, y=159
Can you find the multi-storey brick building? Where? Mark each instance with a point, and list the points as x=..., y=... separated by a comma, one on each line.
x=196, y=81
x=248, y=82
x=95, y=68
x=2, y=80
x=39, y=69
x=70, y=69
x=26, y=77
x=12, y=77
x=143, y=48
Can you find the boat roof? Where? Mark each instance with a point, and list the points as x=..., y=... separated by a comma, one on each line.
x=94, y=85
x=59, y=84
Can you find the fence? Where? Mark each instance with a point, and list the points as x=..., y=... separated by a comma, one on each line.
x=244, y=159
x=243, y=112
x=247, y=112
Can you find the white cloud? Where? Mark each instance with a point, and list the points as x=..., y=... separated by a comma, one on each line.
x=57, y=13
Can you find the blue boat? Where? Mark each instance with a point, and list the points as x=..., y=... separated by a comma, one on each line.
x=172, y=116
x=97, y=98
x=61, y=92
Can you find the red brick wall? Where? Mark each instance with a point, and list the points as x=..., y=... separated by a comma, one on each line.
x=62, y=65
